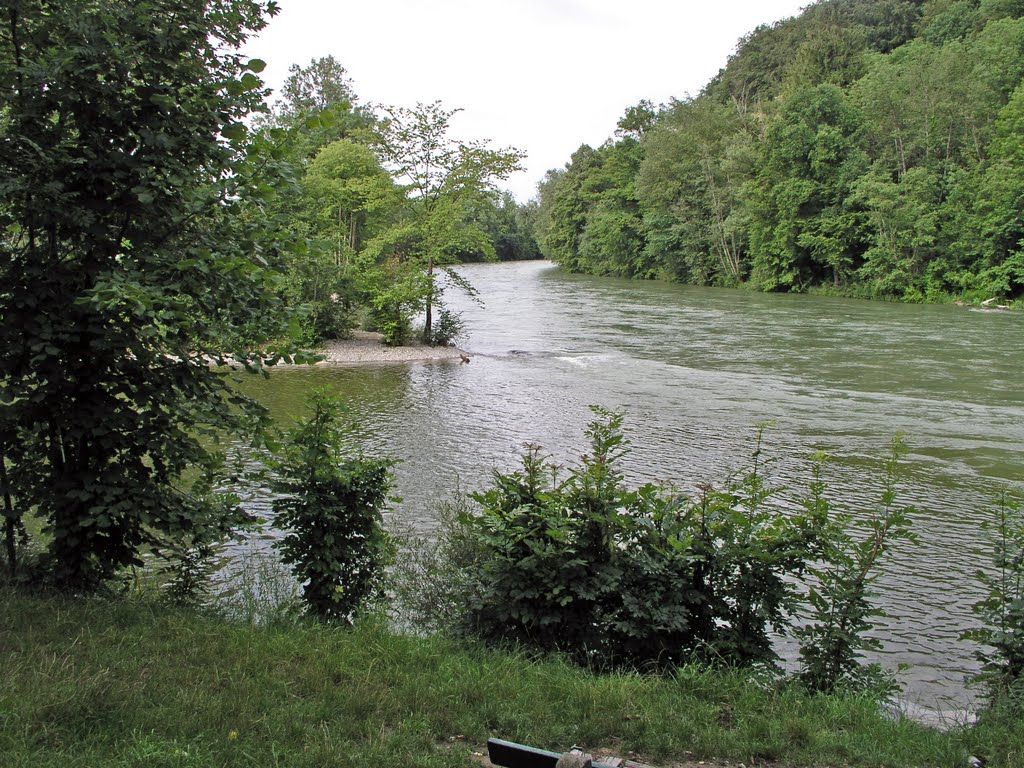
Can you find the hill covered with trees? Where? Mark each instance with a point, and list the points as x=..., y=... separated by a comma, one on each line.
x=867, y=147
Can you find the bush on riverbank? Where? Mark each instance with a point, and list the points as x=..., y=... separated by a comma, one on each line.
x=582, y=564
x=114, y=683
x=330, y=511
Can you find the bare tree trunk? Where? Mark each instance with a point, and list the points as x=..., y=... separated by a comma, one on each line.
x=428, y=324
x=341, y=248
x=10, y=527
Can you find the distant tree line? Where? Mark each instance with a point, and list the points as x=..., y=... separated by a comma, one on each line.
x=867, y=147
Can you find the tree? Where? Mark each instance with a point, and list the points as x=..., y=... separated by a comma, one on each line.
x=322, y=85
x=442, y=176
x=803, y=227
x=345, y=185
x=133, y=251
x=563, y=211
x=346, y=197
x=319, y=106
x=695, y=164
x=331, y=505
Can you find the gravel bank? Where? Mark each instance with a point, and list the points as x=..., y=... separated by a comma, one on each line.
x=366, y=347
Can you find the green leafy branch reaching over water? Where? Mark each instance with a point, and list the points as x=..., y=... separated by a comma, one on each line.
x=840, y=601
x=1002, y=611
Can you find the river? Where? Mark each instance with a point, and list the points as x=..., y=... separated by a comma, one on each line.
x=694, y=370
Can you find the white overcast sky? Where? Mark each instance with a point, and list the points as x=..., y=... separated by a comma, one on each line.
x=543, y=76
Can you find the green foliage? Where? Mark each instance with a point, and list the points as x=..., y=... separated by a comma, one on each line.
x=443, y=179
x=511, y=228
x=1002, y=610
x=593, y=220
x=866, y=147
x=831, y=644
x=447, y=328
x=618, y=576
x=134, y=249
x=318, y=106
x=330, y=505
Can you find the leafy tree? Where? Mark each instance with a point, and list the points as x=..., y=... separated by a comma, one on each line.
x=346, y=197
x=133, y=252
x=321, y=85
x=690, y=185
x=442, y=178
x=510, y=226
x=803, y=226
x=563, y=210
x=1000, y=206
x=330, y=507
x=613, y=240
x=319, y=106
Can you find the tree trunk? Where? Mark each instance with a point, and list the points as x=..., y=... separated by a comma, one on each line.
x=428, y=323
x=10, y=527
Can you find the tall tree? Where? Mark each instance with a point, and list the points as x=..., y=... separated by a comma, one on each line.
x=441, y=176
x=319, y=106
x=132, y=252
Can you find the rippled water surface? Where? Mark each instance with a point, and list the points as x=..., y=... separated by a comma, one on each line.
x=694, y=370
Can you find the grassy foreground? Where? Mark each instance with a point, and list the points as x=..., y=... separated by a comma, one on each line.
x=106, y=683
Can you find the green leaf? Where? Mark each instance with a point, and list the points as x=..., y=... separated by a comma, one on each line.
x=163, y=101
x=234, y=131
x=250, y=82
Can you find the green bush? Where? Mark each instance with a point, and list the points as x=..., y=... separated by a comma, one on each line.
x=330, y=506
x=1002, y=610
x=328, y=319
x=447, y=327
x=840, y=599
x=617, y=576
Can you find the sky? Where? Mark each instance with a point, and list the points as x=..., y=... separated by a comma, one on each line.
x=543, y=76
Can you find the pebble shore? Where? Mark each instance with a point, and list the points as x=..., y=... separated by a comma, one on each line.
x=367, y=347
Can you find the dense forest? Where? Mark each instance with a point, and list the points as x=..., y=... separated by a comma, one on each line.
x=867, y=147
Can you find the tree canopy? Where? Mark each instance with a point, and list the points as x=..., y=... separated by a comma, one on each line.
x=133, y=251
x=861, y=147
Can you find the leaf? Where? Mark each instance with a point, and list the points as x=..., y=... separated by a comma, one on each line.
x=164, y=101
x=250, y=82
x=234, y=131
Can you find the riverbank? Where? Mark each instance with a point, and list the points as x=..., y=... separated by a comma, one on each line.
x=366, y=347
x=114, y=683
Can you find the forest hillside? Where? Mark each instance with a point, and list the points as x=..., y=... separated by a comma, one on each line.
x=867, y=147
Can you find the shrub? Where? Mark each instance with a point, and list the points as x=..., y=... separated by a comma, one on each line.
x=1002, y=611
x=447, y=327
x=831, y=644
x=325, y=320
x=619, y=576
x=330, y=506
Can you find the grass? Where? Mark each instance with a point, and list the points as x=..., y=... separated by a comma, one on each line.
x=97, y=683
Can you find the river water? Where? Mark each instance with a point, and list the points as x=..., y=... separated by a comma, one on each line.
x=694, y=370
